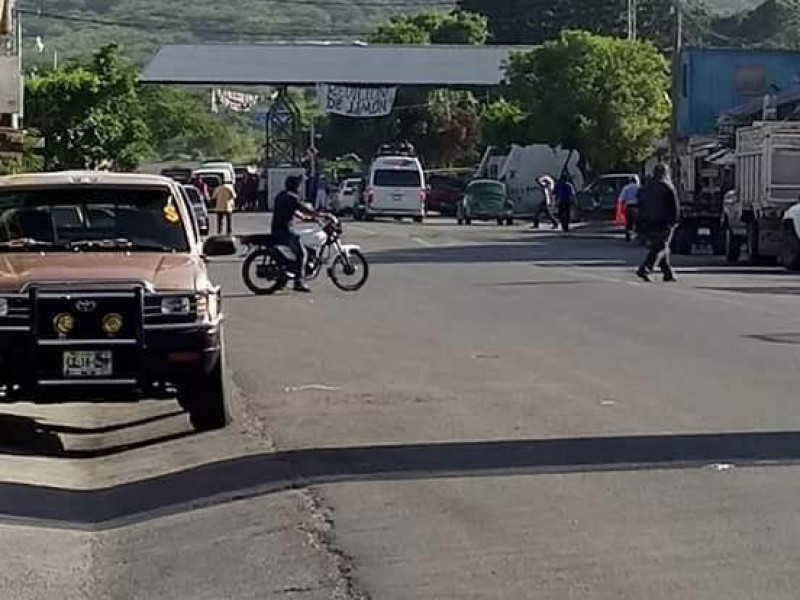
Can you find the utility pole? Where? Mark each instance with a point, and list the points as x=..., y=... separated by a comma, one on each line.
x=677, y=48
x=632, y=33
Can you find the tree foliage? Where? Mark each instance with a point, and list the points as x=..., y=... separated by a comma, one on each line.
x=88, y=113
x=605, y=97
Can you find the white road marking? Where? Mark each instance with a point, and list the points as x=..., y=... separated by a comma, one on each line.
x=422, y=242
x=362, y=230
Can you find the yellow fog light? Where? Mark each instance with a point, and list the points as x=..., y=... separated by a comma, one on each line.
x=112, y=324
x=64, y=323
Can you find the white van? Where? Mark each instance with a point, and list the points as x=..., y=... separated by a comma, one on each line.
x=396, y=188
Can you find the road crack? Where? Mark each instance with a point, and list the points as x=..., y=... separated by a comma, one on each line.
x=319, y=532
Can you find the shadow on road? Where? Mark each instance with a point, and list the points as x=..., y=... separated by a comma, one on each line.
x=776, y=338
x=255, y=475
x=25, y=436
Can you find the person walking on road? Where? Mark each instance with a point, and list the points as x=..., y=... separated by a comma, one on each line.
x=629, y=198
x=658, y=215
x=546, y=184
x=565, y=194
x=224, y=200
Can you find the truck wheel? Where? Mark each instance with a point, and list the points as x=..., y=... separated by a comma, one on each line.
x=733, y=245
x=752, y=243
x=205, y=398
x=718, y=242
x=790, y=250
x=682, y=241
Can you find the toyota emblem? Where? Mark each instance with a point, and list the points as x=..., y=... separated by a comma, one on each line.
x=85, y=306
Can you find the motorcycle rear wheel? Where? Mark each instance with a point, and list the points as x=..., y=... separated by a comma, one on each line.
x=266, y=259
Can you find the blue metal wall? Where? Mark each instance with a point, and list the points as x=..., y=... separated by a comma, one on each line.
x=715, y=80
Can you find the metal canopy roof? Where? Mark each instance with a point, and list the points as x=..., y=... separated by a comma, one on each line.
x=308, y=64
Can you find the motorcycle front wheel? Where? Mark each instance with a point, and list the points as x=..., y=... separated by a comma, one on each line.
x=349, y=277
x=262, y=273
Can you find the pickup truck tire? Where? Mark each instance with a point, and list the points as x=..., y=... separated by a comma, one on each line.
x=790, y=250
x=733, y=245
x=205, y=398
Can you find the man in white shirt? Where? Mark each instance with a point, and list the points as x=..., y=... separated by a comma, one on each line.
x=629, y=197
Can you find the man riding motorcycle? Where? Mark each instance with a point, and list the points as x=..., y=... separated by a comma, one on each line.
x=288, y=205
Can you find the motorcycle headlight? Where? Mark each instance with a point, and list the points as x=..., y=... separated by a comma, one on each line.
x=176, y=306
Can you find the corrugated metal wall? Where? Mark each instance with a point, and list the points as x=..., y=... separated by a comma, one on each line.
x=715, y=80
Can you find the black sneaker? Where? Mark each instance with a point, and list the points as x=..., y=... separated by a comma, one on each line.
x=670, y=279
x=642, y=274
x=301, y=287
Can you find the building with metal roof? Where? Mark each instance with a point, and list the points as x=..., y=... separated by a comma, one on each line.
x=308, y=64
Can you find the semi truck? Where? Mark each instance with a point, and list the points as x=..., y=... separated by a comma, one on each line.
x=767, y=185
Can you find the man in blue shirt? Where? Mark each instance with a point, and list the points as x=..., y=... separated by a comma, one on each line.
x=287, y=205
x=565, y=194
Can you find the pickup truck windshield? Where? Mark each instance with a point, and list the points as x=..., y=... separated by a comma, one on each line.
x=91, y=219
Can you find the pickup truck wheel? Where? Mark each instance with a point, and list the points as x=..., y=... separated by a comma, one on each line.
x=790, y=250
x=205, y=398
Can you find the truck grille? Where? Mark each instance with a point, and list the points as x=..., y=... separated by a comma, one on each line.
x=87, y=312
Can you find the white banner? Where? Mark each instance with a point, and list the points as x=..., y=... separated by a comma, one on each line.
x=238, y=102
x=356, y=101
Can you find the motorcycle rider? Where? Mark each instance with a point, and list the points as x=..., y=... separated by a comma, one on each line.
x=288, y=204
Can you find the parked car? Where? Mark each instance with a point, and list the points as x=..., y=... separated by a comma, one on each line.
x=105, y=292
x=601, y=195
x=199, y=207
x=348, y=195
x=486, y=200
x=445, y=194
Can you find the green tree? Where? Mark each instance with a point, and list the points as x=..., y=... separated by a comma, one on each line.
x=536, y=21
x=502, y=124
x=88, y=113
x=605, y=97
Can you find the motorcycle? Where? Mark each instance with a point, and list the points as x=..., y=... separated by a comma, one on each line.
x=269, y=265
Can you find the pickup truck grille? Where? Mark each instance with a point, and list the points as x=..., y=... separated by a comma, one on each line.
x=87, y=313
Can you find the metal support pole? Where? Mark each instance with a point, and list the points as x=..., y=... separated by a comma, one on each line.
x=632, y=24
x=676, y=94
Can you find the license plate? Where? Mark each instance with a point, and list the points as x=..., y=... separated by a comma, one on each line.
x=397, y=198
x=703, y=231
x=95, y=363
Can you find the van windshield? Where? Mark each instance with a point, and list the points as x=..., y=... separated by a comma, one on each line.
x=396, y=178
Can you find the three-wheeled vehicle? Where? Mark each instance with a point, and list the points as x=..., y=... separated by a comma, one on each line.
x=485, y=200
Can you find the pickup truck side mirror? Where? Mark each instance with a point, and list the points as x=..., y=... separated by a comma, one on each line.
x=219, y=245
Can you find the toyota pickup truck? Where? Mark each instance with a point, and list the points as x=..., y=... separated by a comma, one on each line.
x=105, y=293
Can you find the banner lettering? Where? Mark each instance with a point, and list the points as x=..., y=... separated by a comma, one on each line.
x=356, y=101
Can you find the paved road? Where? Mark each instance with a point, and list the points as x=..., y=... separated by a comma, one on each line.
x=500, y=413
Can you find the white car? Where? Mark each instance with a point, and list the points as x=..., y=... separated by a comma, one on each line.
x=396, y=188
x=348, y=195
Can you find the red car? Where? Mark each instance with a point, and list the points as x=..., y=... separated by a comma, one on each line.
x=444, y=195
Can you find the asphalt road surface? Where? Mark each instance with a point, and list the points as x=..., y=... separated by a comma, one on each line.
x=499, y=413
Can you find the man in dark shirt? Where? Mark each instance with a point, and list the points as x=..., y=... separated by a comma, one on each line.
x=564, y=193
x=287, y=205
x=659, y=210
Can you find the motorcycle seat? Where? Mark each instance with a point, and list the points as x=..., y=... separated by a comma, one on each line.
x=258, y=239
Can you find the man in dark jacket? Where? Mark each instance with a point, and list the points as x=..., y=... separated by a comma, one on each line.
x=659, y=210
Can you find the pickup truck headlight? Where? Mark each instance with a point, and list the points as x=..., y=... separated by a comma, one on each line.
x=3, y=307
x=176, y=306
x=208, y=305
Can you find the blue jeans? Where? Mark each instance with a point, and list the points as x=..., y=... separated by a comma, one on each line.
x=292, y=241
